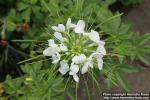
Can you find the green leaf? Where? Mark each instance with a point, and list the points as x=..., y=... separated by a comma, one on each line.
x=143, y=59
x=109, y=84
x=71, y=93
x=11, y=26
x=128, y=69
x=121, y=80
x=25, y=45
x=12, y=15
x=10, y=82
x=33, y=1
x=145, y=39
x=36, y=10
x=26, y=68
x=107, y=3
x=26, y=15
x=121, y=58
x=22, y=6
x=146, y=49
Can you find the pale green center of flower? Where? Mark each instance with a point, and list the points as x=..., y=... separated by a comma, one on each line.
x=79, y=44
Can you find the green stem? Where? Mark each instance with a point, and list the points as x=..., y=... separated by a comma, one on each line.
x=67, y=83
x=3, y=34
x=113, y=17
x=39, y=61
x=87, y=89
x=93, y=77
x=30, y=59
x=76, y=91
x=24, y=40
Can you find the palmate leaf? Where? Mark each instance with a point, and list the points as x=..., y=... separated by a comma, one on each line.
x=44, y=85
x=141, y=47
x=108, y=22
x=12, y=86
x=115, y=74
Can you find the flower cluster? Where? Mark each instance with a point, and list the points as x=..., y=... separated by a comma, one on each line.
x=75, y=49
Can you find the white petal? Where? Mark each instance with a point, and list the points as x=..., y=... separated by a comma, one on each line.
x=84, y=68
x=55, y=28
x=61, y=27
x=63, y=48
x=64, y=67
x=100, y=63
x=74, y=69
x=49, y=51
x=51, y=43
x=76, y=78
x=99, y=58
x=86, y=34
x=97, y=55
x=101, y=49
x=59, y=36
x=69, y=24
x=71, y=73
x=79, y=59
x=80, y=27
x=90, y=63
x=86, y=65
x=94, y=36
x=101, y=43
x=56, y=57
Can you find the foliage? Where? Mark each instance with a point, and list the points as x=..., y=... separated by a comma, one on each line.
x=41, y=81
x=36, y=84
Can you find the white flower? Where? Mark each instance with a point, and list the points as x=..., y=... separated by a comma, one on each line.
x=64, y=67
x=73, y=71
x=94, y=36
x=52, y=44
x=69, y=24
x=63, y=48
x=59, y=36
x=80, y=27
x=88, y=64
x=100, y=63
x=53, y=50
x=101, y=49
x=99, y=58
x=79, y=59
x=81, y=49
x=49, y=51
x=59, y=28
x=56, y=57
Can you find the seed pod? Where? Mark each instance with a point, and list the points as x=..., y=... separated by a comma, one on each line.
x=25, y=27
x=3, y=43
